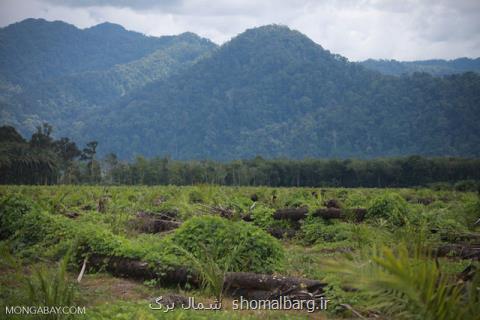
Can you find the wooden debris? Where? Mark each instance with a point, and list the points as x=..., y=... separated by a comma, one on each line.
x=329, y=213
x=462, y=251
x=102, y=204
x=468, y=273
x=247, y=284
x=149, y=222
x=82, y=271
x=459, y=237
x=281, y=233
x=262, y=286
x=294, y=214
x=219, y=210
x=359, y=214
x=332, y=203
x=159, y=201
x=425, y=201
x=71, y=214
x=141, y=270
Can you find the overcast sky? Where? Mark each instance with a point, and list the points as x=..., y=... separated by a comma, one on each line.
x=402, y=30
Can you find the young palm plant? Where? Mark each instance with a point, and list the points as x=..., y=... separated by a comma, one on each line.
x=212, y=274
x=51, y=288
x=43, y=288
x=407, y=284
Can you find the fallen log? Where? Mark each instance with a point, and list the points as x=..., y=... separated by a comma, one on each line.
x=147, y=222
x=332, y=203
x=359, y=214
x=247, y=284
x=71, y=214
x=459, y=237
x=281, y=233
x=468, y=273
x=164, y=215
x=247, y=217
x=141, y=270
x=159, y=201
x=253, y=282
x=329, y=213
x=219, y=210
x=294, y=214
x=122, y=267
x=462, y=251
x=425, y=201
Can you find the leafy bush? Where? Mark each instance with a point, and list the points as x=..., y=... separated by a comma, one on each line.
x=447, y=225
x=315, y=230
x=29, y=229
x=259, y=251
x=440, y=186
x=24, y=222
x=390, y=207
x=467, y=185
x=196, y=196
x=263, y=216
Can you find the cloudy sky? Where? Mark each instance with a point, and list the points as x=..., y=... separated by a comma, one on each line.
x=387, y=29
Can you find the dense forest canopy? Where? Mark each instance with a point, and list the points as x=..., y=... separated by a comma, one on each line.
x=270, y=91
x=44, y=160
x=435, y=67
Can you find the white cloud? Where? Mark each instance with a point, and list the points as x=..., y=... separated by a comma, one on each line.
x=403, y=30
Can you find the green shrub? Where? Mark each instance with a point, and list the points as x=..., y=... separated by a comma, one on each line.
x=440, y=186
x=24, y=222
x=196, y=196
x=466, y=185
x=259, y=251
x=315, y=230
x=30, y=230
x=301, y=198
x=390, y=207
x=12, y=210
x=263, y=216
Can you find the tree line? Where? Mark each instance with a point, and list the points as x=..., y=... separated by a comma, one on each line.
x=44, y=160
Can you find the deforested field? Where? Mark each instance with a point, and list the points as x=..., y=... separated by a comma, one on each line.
x=357, y=253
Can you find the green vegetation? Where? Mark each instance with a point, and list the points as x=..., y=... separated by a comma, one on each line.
x=390, y=207
x=256, y=251
x=388, y=258
x=413, y=286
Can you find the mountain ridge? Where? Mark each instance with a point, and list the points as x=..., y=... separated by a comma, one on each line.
x=269, y=91
x=436, y=67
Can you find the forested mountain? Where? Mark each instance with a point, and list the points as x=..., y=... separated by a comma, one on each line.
x=435, y=67
x=52, y=71
x=269, y=91
x=35, y=49
x=274, y=92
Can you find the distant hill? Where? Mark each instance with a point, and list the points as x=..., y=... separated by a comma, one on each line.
x=274, y=92
x=434, y=67
x=35, y=49
x=270, y=91
x=53, y=71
